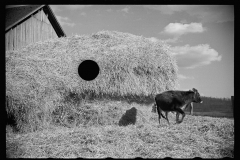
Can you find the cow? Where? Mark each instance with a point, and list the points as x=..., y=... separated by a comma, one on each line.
x=175, y=101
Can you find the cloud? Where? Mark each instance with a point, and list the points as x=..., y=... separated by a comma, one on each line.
x=206, y=13
x=64, y=21
x=182, y=77
x=126, y=9
x=194, y=56
x=180, y=29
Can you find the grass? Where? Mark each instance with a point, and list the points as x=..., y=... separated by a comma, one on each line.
x=196, y=136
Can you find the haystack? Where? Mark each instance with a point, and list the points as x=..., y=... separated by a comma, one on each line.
x=42, y=75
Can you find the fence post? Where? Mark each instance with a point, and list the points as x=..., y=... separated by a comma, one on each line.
x=232, y=100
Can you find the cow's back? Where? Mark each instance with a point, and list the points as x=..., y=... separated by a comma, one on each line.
x=169, y=100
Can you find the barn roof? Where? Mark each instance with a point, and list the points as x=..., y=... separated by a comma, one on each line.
x=17, y=14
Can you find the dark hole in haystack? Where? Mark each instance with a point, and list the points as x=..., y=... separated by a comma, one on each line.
x=129, y=117
x=88, y=70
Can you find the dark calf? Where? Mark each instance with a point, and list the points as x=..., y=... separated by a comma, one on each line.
x=175, y=101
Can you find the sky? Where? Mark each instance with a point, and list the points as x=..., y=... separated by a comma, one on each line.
x=201, y=37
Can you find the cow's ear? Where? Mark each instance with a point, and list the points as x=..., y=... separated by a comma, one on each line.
x=190, y=92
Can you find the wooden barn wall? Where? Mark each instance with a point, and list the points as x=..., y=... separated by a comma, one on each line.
x=34, y=29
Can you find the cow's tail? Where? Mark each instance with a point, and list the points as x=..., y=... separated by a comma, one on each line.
x=154, y=108
x=163, y=115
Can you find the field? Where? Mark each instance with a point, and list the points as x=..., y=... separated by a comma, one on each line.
x=52, y=112
x=215, y=114
x=135, y=133
x=214, y=107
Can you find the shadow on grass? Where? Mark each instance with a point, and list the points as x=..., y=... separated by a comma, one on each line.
x=129, y=117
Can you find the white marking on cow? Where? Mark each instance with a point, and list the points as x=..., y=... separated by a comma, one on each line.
x=183, y=107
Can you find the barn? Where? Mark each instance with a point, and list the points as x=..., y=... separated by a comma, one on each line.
x=25, y=24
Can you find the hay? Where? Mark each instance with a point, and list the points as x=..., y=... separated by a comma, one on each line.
x=197, y=136
x=42, y=74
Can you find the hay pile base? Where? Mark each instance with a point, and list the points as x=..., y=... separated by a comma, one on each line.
x=43, y=76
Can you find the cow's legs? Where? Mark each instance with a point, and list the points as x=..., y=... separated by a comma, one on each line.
x=159, y=114
x=183, y=114
x=159, y=117
x=177, y=117
x=167, y=118
x=166, y=114
x=191, y=108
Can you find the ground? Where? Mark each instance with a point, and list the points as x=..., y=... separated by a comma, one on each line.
x=196, y=136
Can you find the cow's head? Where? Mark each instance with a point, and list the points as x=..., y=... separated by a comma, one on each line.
x=196, y=96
